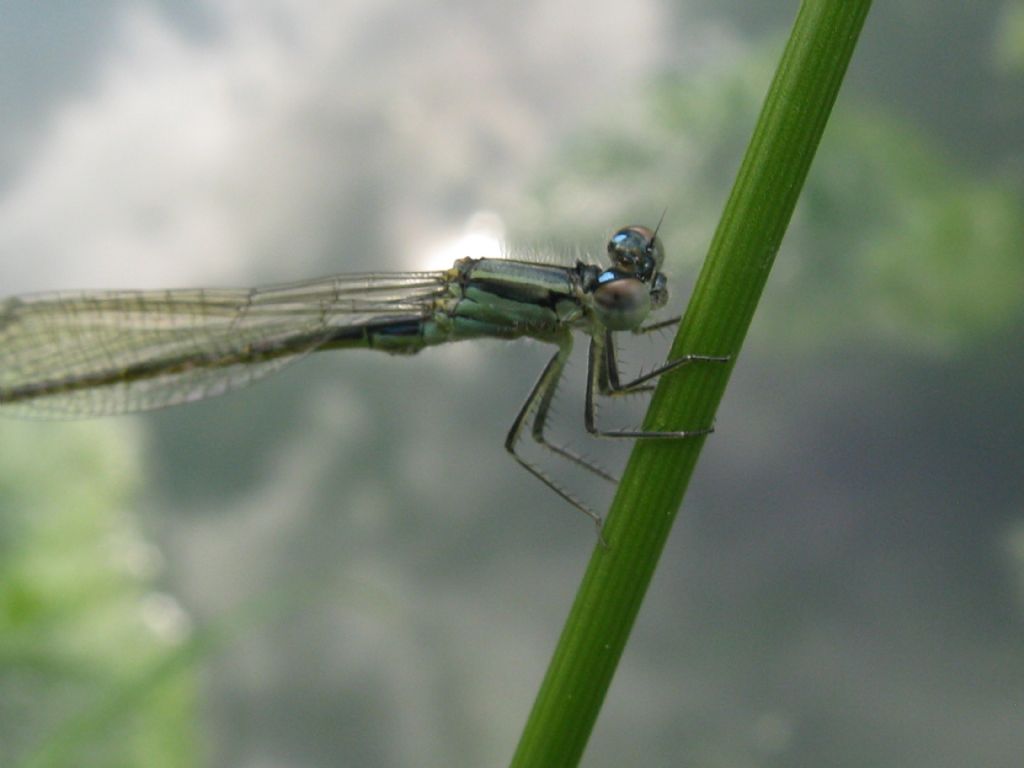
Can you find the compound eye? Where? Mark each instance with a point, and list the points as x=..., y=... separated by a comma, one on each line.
x=636, y=250
x=622, y=303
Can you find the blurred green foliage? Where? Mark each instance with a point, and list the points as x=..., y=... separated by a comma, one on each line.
x=84, y=639
x=894, y=242
x=1009, y=39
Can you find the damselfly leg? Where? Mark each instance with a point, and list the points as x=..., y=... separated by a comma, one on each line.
x=603, y=374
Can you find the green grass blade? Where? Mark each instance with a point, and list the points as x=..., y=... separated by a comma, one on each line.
x=788, y=130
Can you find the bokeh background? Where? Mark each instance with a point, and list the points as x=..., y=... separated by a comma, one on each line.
x=340, y=566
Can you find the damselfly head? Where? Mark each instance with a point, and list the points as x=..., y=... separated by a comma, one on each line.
x=636, y=250
x=633, y=285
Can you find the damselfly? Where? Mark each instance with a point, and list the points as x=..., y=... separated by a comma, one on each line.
x=75, y=355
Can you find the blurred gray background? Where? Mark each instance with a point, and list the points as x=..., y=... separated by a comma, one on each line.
x=340, y=566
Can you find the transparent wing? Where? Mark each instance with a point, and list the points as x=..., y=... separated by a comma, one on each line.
x=72, y=355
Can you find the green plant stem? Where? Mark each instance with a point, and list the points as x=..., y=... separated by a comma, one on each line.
x=788, y=130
